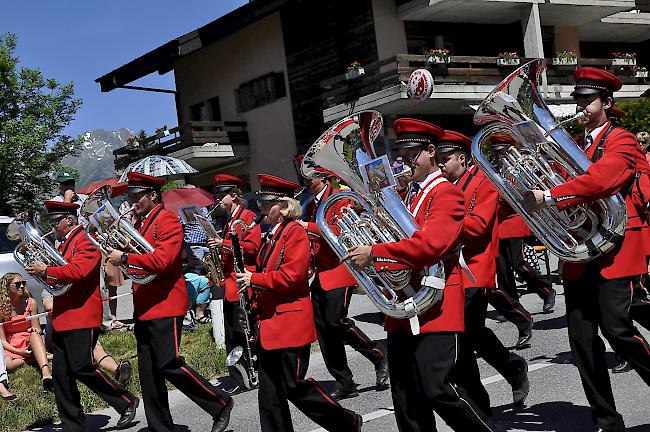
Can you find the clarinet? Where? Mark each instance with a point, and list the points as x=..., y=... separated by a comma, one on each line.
x=249, y=376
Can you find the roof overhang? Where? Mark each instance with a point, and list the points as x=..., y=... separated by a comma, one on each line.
x=162, y=59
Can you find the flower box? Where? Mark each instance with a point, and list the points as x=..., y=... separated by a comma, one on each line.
x=508, y=62
x=563, y=61
x=624, y=62
x=641, y=74
x=437, y=59
x=354, y=74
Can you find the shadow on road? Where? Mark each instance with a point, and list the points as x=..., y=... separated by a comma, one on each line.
x=371, y=317
x=549, y=416
x=550, y=324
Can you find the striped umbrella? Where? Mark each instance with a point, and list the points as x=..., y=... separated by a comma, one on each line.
x=159, y=166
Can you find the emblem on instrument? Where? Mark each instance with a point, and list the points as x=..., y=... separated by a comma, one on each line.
x=420, y=85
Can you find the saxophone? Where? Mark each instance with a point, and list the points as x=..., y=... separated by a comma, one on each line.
x=212, y=263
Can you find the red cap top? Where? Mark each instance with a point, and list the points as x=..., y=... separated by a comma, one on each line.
x=138, y=179
x=591, y=80
x=272, y=187
x=63, y=208
x=119, y=189
x=228, y=180
x=452, y=141
x=415, y=133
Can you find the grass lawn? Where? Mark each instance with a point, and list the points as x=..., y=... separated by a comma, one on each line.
x=36, y=407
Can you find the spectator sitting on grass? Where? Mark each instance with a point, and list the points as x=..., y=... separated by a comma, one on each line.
x=21, y=340
x=198, y=290
x=121, y=372
x=4, y=382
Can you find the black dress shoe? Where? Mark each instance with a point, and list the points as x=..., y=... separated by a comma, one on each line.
x=521, y=385
x=128, y=415
x=622, y=367
x=549, y=302
x=525, y=337
x=341, y=393
x=382, y=375
x=221, y=422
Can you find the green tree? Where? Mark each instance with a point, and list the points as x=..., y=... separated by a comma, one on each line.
x=637, y=115
x=34, y=111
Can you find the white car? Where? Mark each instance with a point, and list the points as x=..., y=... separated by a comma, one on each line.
x=9, y=264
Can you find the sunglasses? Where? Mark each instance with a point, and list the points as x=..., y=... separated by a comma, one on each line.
x=19, y=284
x=408, y=157
x=55, y=221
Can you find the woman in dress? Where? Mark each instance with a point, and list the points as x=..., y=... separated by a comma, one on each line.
x=21, y=339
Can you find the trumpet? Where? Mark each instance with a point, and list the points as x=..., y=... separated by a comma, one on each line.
x=249, y=374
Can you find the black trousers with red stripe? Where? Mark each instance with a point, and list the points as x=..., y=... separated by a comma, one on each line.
x=511, y=258
x=421, y=382
x=282, y=379
x=640, y=308
x=593, y=302
x=510, y=308
x=478, y=338
x=335, y=329
x=72, y=362
x=158, y=342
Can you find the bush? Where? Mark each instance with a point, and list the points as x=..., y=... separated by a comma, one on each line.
x=637, y=115
x=36, y=407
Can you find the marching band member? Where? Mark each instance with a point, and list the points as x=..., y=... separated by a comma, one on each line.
x=331, y=292
x=286, y=318
x=480, y=240
x=510, y=225
x=159, y=308
x=421, y=364
x=598, y=293
x=228, y=193
x=76, y=320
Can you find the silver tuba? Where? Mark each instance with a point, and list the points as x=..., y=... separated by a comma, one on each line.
x=107, y=229
x=342, y=150
x=516, y=109
x=34, y=247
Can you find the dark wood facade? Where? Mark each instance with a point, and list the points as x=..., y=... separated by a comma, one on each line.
x=321, y=39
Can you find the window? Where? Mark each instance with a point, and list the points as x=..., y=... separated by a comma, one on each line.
x=6, y=245
x=215, y=109
x=260, y=91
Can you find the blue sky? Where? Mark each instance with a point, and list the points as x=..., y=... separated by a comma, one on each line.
x=81, y=40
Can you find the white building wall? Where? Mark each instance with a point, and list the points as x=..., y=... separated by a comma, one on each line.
x=219, y=69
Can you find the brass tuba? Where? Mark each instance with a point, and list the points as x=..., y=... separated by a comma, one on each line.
x=383, y=217
x=107, y=229
x=34, y=247
x=516, y=109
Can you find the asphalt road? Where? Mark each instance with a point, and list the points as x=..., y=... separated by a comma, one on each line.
x=556, y=401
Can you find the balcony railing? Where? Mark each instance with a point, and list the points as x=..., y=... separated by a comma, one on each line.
x=461, y=70
x=194, y=133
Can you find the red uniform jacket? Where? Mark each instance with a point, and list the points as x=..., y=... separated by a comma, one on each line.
x=81, y=306
x=480, y=230
x=510, y=225
x=281, y=289
x=249, y=241
x=329, y=270
x=166, y=295
x=613, y=173
x=440, y=218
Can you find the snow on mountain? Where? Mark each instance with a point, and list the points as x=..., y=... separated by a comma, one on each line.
x=95, y=160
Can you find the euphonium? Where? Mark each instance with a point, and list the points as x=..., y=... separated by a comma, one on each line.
x=107, y=229
x=540, y=145
x=249, y=372
x=35, y=248
x=383, y=217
